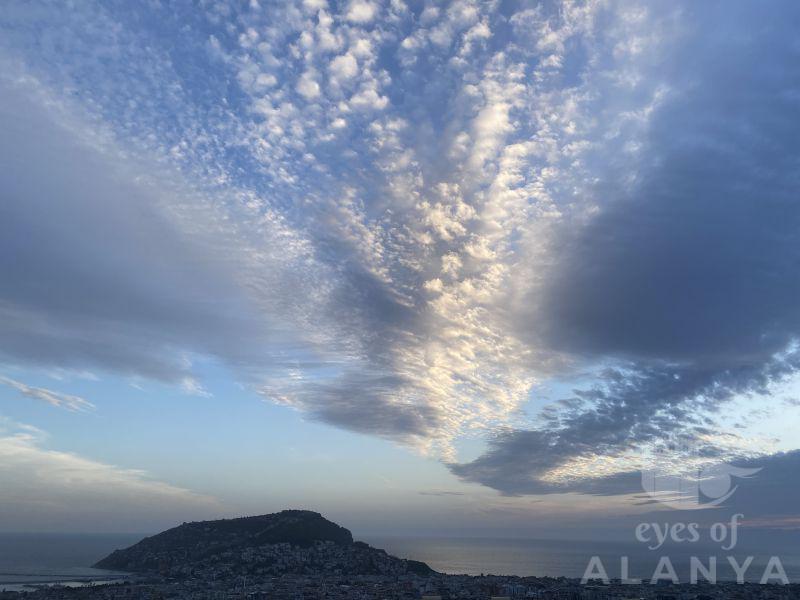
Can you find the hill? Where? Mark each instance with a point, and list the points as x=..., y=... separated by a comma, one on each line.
x=291, y=541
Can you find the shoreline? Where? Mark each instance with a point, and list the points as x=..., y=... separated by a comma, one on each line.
x=21, y=582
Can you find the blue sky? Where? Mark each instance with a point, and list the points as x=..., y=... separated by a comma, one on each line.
x=461, y=263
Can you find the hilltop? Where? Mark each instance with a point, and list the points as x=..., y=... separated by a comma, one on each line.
x=288, y=542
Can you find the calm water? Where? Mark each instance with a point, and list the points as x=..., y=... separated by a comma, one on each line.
x=570, y=558
x=47, y=558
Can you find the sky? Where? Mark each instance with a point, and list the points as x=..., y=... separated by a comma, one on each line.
x=457, y=268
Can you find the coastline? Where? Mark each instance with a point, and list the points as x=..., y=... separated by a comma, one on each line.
x=21, y=581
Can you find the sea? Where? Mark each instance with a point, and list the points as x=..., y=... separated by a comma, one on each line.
x=28, y=560
x=561, y=558
x=31, y=560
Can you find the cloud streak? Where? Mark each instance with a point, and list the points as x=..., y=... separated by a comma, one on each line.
x=67, y=401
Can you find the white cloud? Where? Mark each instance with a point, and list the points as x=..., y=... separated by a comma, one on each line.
x=391, y=244
x=343, y=67
x=49, y=490
x=315, y=5
x=369, y=98
x=266, y=80
x=361, y=11
x=67, y=401
x=192, y=387
x=307, y=86
x=429, y=14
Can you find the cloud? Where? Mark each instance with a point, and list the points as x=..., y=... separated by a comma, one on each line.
x=693, y=261
x=49, y=490
x=582, y=444
x=191, y=386
x=405, y=241
x=347, y=288
x=308, y=86
x=440, y=493
x=96, y=275
x=344, y=67
x=687, y=272
x=361, y=11
x=67, y=401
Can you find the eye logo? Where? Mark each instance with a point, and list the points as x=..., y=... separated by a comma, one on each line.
x=679, y=478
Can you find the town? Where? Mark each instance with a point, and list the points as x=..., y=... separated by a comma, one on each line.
x=300, y=555
x=403, y=587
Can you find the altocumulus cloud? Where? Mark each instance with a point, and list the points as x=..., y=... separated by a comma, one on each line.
x=687, y=276
x=400, y=220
